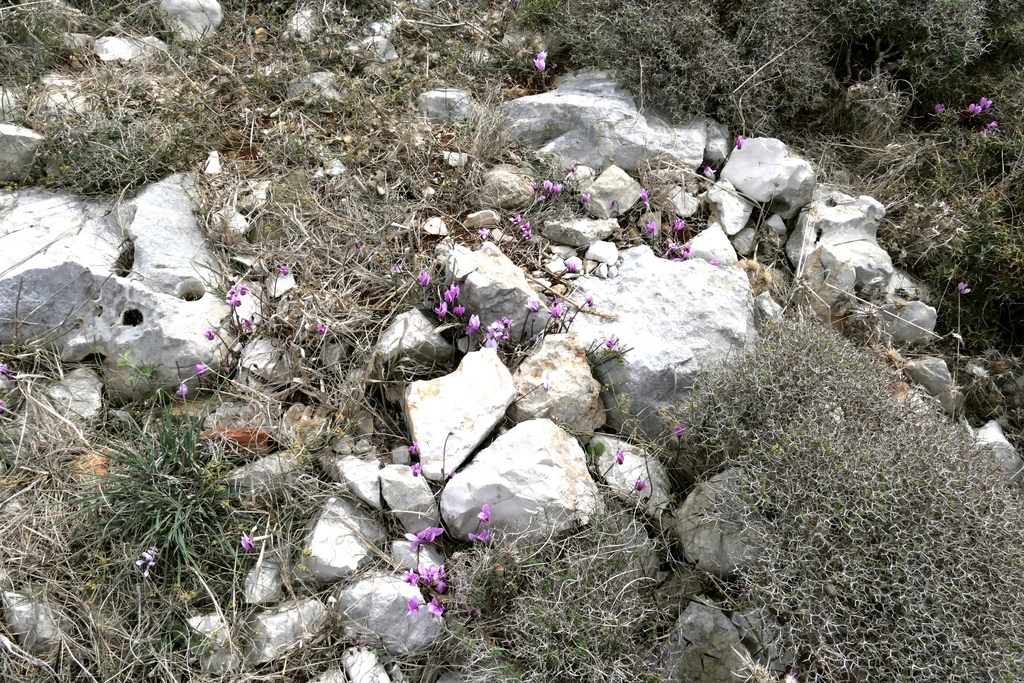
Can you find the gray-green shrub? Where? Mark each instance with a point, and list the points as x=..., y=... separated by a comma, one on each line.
x=889, y=547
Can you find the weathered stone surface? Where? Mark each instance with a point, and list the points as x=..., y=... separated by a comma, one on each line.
x=339, y=543
x=767, y=173
x=488, y=218
x=682, y=203
x=458, y=261
x=728, y=208
x=374, y=49
x=33, y=621
x=912, y=323
x=637, y=465
x=265, y=474
x=376, y=609
x=192, y=19
x=692, y=316
x=409, y=497
x=361, y=476
x=506, y=187
x=612, y=193
x=712, y=534
x=412, y=335
x=743, y=241
x=555, y=382
x=446, y=104
x=705, y=647
x=580, y=232
x=277, y=631
x=933, y=376
x=534, y=478
x=362, y=666
x=588, y=119
x=304, y=25
x=719, y=145
x=451, y=415
x=79, y=395
x=767, y=309
x=712, y=244
x=761, y=634
x=132, y=282
x=18, y=147
x=215, y=649
x=262, y=364
x=331, y=676
x=990, y=437
x=603, y=252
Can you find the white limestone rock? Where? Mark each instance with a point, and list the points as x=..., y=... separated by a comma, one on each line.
x=374, y=49
x=910, y=323
x=446, y=104
x=304, y=25
x=713, y=534
x=340, y=542
x=319, y=89
x=360, y=476
x=497, y=288
x=451, y=415
x=415, y=560
x=79, y=395
x=676, y=318
x=612, y=193
x=265, y=581
x=412, y=335
x=728, y=208
x=766, y=172
x=589, y=119
x=712, y=244
x=287, y=627
x=990, y=437
x=18, y=147
x=266, y=474
x=362, y=666
x=192, y=19
x=214, y=646
x=603, y=252
x=933, y=375
x=34, y=621
x=637, y=466
x=114, y=48
x=579, y=232
x=506, y=187
x=555, y=382
x=409, y=497
x=682, y=203
x=376, y=610
x=534, y=478
x=704, y=647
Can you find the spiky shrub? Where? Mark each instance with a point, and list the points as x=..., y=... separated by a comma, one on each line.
x=580, y=607
x=888, y=547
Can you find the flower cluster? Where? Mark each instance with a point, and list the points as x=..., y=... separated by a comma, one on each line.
x=984, y=105
x=428, y=535
x=147, y=562
x=432, y=575
x=235, y=295
x=497, y=332
x=451, y=297
x=545, y=190
x=523, y=226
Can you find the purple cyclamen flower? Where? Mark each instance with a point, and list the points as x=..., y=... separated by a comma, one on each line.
x=589, y=301
x=678, y=225
x=411, y=578
x=533, y=305
x=474, y=325
x=985, y=103
x=485, y=513
x=680, y=430
x=963, y=288
x=234, y=301
x=709, y=172
x=321, y=329
x=739, y=142
x=992, y=125
x=651, y=227
x=644, y=196
x=428, y=535
x=620, y=456
x=3, y=406
x=440, y=586
x=545, y=382
x=585, y=197
x=548, y=186
x=612, y=342
x=484, y=233
x=572, y=266
x=527, y=231
x=556, y=188
x=713, y=262
x=209, y=334
x=414, y=605
x=247, y=543
x=416, y=469
x=451, y=294
x=483, y=536
x=641, y=484
x=940, y=109
x=441, y=310
x=182, y=390
x=423, y=279
x=148, y=561
x=436, y=607
x=974, y=109
x=556, y=309
x=202, y=369
x=541, y=61
x=286, y=270
x=357, y=246
x=414, y=448
x=459, y=311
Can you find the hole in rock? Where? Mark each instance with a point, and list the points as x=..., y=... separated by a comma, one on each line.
x=191, y=291
x=125, y=259
x=132, y=317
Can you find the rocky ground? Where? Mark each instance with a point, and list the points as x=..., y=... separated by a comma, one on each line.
x=362, y=344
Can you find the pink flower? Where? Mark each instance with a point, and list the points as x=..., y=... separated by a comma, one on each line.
x=644, y=197
x=985, y=103
x=247, y=543
x=651, y=227
x=992, y=125
x=423, y=279
x=541, y=61
x=411, y=578
x=940, y=109
x=182, y=390
x=202, y=369
x=641, y=484
x=209, y=334
x=436, y=607
x=485, y=513
x=739, y=142
x=620, y=456
x=484, y=233
x=414, y=448
x=585, y=197
x=416, y=469
x=483, y=536
x=286, y=270
x=414, y=605
x=678, y=225
x=974, y=109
